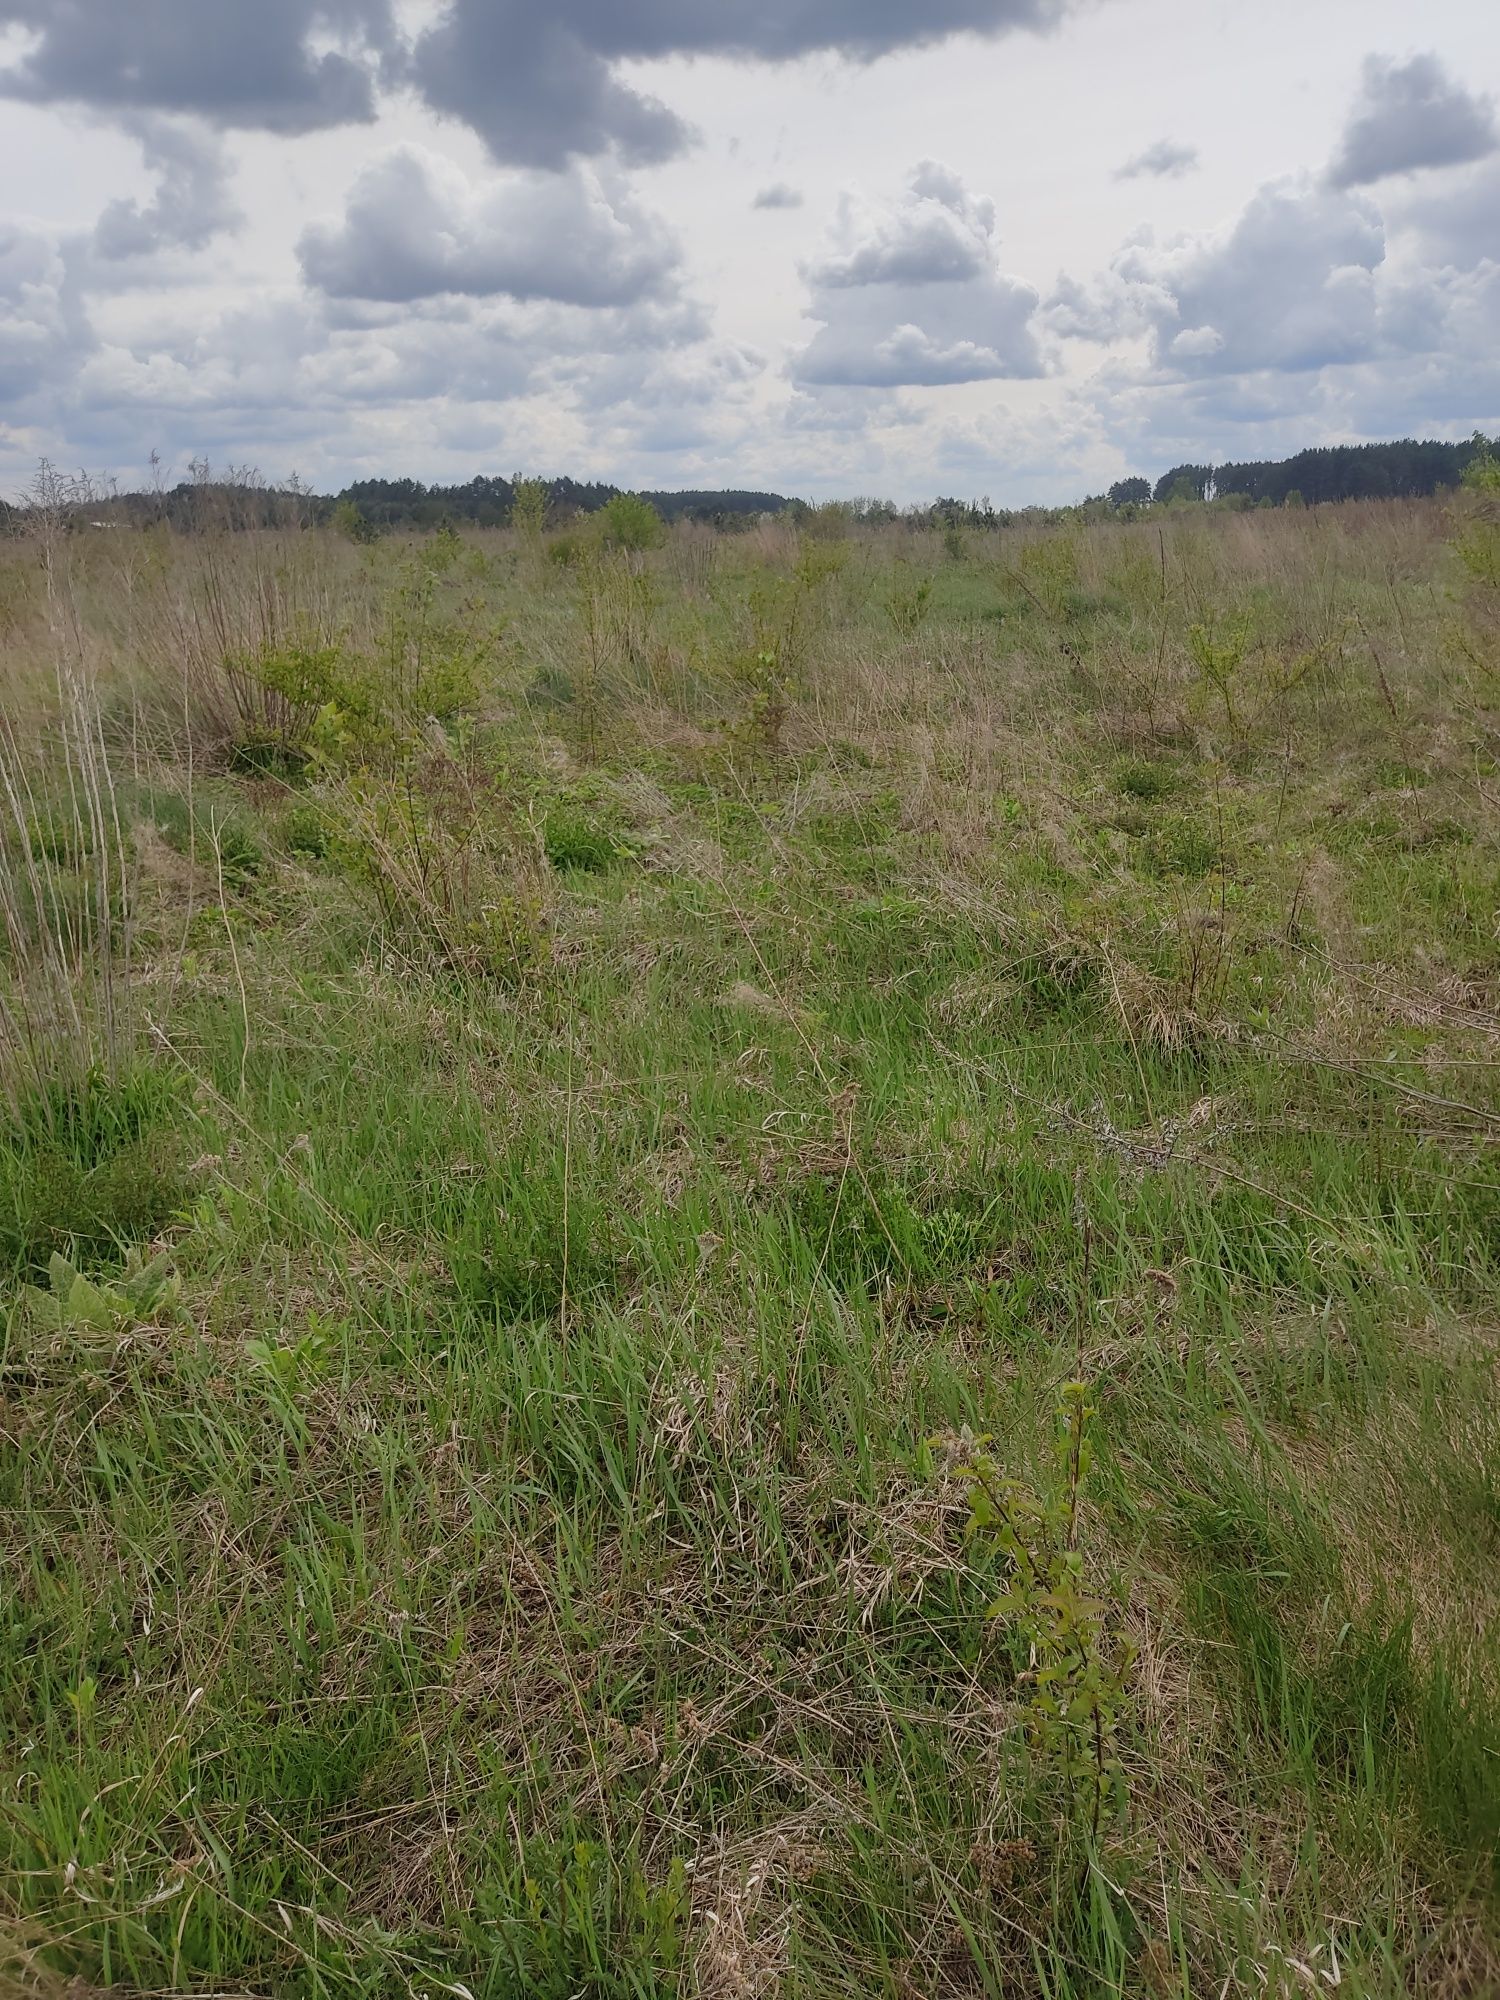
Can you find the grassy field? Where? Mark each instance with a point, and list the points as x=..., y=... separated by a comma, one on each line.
x=571, y=1115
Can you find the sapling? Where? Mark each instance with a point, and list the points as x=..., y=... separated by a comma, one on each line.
x=1079, y=1665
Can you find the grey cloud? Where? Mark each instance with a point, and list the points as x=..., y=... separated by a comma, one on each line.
x=1168, y=159
x=539, y=84
x=713, y=374
x=865, y=350
x=535, y=91
x=1263, y=415
x=842, y=413
x=1410, y=115
x=192, y=203
x=1103, y=308
x=778, y=195
x=911, y=294
x=415, y=227
x=266, y=65
x=655, y=324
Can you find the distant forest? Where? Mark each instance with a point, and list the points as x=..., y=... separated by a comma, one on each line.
x=406, y=503
x=1405, y=469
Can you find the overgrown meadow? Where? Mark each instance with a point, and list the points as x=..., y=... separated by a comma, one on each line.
x=745, y=1265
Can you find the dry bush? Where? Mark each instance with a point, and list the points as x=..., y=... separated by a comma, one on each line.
x=456, y=876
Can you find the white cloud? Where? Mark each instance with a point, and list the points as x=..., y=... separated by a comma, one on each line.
x=1451, y=219
x=911, y=293
x=1290, y=324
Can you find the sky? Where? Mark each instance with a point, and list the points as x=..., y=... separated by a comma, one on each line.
x=901, y=248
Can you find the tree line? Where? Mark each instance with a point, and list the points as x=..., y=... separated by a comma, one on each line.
x=1407, y=468
x=486, y=501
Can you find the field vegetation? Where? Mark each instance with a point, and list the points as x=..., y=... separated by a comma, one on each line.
x=746, y=1265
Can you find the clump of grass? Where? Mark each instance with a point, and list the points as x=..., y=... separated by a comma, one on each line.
x=574, y=842
x=89, y=1167
x=1150, y=783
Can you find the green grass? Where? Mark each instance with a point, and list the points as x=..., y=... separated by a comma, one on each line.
x=529, y=1559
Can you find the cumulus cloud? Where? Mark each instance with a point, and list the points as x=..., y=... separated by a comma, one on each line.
x=1289, y=285
x=1410, y=115
x=778, y=195
x=939, y=233
x=277, y=372
x=192, y=203
x=1168, y=159
x=283, y=65
x=1295, y=322
x=415, y=227
x=647, y=379
x=912, y=293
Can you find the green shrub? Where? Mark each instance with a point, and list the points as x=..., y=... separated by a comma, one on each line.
x=629, y=522
x=1049, y=568
x=305, y=830
x=530, y=499
x=908, y=604
x=350, y=521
